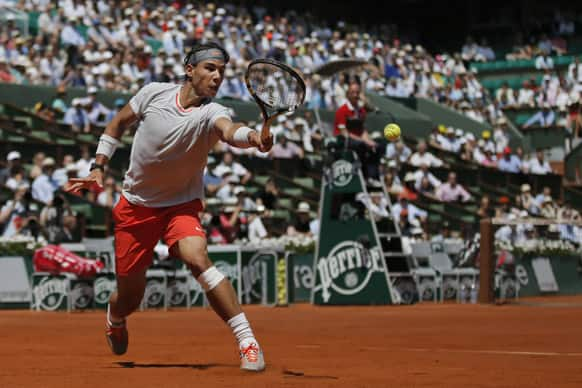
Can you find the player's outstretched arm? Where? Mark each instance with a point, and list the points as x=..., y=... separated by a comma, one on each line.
x=107, y=144
x=241, y=136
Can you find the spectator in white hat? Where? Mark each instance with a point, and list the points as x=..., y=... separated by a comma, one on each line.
x=256, y=228
x=77, y=117
x=12, y=159
x=98, y=112
x=44, y=186
x=302, y=220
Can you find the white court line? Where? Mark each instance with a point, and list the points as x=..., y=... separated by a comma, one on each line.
x=481, y=351
x=443, y=350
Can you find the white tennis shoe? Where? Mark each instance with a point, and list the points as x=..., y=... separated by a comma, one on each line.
x=251, y=357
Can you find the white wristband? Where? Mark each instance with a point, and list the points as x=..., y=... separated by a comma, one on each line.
x=241, y=137
x=107, y=145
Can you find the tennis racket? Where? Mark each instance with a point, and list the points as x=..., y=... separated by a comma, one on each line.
x=276, y=88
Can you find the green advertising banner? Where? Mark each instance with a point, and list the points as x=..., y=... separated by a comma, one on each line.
x=300, y=277
x=549, y=275
x=259, y=277
x=226, y=259
x=349, y=264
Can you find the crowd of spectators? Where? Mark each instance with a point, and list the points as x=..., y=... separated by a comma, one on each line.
x=102, y=47
x=36, y=207
x=490, y=150
x=541, y=205
x=97, y=44
x=556, y=99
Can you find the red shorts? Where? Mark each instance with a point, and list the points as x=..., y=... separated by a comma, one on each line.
x=138, y=229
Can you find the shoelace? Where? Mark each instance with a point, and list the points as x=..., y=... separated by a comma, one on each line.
x=251, y=352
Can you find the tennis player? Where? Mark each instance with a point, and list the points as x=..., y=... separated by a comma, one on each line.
x=163, y=191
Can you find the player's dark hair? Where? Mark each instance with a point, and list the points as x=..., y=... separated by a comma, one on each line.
x=206, y=46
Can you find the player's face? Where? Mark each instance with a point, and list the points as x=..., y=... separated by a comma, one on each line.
x=207, y=77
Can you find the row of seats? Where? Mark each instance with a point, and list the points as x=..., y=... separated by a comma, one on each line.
x=520, y=64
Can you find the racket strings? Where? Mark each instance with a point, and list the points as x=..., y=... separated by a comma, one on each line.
x=275, y=87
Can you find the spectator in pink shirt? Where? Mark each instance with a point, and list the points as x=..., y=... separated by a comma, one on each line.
x=285, y=149
x=452, y=191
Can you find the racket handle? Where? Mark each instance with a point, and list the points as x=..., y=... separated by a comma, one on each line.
x=265, y=132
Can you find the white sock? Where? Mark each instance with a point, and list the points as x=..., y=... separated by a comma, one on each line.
x=112, y=322
x=241, y=329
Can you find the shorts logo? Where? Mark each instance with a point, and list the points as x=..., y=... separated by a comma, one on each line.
x=342, y=172
x=49, y=294
x=347, y=269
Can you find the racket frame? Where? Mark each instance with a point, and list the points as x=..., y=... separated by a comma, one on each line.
x=267, y=120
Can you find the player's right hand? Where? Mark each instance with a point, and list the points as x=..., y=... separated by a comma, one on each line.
x=75, y=185
x=264, y=145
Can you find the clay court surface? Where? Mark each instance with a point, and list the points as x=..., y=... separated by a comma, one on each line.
x=427, y=345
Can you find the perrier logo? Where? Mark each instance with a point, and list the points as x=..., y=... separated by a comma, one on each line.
x=50, y=293
x=347, y=269
x=342, y=172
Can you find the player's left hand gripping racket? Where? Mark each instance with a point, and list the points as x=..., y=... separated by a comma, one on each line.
x=276, y=88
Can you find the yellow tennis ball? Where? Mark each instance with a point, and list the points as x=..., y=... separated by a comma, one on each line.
x=392, y=132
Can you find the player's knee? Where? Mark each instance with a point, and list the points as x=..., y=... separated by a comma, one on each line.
x=210, y=278
x=194, y=253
